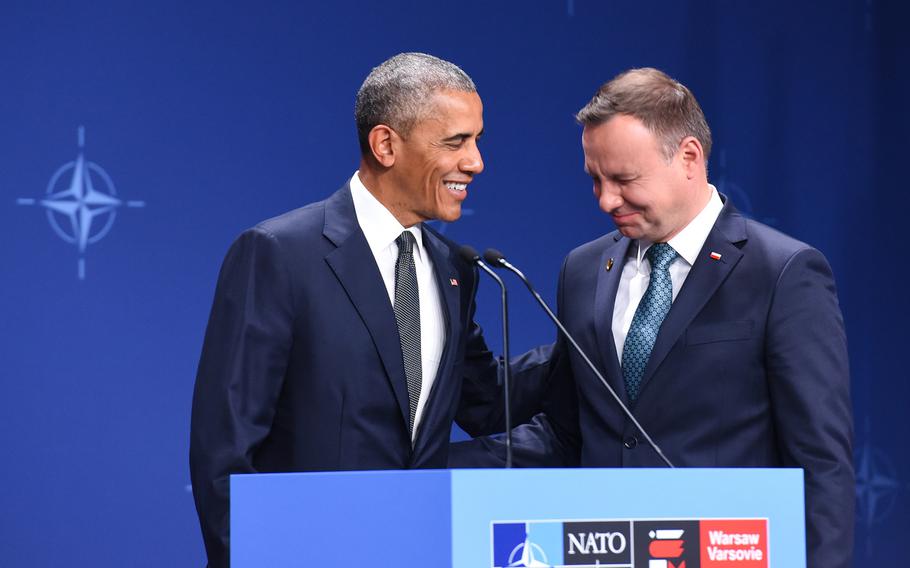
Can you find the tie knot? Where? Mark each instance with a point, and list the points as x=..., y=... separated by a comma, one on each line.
x=405, y=243
x=660, y=255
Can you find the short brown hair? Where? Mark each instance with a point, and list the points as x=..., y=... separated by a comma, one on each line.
x=665, y=106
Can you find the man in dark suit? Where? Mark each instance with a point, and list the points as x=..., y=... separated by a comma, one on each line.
x=341, y=335
x=723, y=335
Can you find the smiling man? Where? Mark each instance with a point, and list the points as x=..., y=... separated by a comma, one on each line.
x=341, y=334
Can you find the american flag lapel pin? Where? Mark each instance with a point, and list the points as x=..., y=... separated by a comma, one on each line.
x=453, y=281
x=715, y=255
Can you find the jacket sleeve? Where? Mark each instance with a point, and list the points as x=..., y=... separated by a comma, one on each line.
x=239, y=378
x=548, y=439
x=547, y=433
x=481, y=410
x=809, y=382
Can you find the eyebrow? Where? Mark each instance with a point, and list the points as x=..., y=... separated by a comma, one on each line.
x=461, y=136
x=619, y=176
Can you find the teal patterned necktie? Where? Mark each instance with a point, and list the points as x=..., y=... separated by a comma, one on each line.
x=648, y=316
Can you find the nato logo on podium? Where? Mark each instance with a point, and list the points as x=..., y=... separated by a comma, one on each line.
x=638, y=543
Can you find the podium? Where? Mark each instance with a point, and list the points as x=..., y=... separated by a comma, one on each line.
x=623, y=518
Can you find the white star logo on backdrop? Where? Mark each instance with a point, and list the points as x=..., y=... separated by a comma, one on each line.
x=81, y=203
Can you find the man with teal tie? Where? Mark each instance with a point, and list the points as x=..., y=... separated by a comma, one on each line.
x=723, y=335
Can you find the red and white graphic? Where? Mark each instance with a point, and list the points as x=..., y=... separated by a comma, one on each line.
x=741, y=543
x=665, y=547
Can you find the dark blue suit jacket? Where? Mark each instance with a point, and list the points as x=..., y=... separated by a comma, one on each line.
x=302, y=370
x=749, y=369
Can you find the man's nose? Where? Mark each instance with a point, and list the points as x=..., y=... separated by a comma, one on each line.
x=609, y=199
x=472, y=163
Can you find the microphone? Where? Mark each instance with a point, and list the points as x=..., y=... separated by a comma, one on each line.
x=470, y=255
x=498, y=260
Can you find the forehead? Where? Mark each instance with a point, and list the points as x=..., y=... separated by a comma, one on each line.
x=621, y=142
x=453, y=110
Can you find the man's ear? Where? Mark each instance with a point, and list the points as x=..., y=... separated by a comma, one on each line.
x=692, y=156
x=382, y=141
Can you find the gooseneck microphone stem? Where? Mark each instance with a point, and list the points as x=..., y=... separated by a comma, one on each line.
x=471, y=255
x=496, y=259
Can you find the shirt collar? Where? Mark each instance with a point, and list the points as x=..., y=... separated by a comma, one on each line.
x=379, y=226
x=689, y=241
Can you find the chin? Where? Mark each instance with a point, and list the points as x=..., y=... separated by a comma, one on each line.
x=450, y=216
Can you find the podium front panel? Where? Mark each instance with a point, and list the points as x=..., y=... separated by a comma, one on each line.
x=623, y=518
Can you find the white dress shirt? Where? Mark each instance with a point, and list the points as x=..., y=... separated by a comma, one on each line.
x=381, y=230
x=636, y=270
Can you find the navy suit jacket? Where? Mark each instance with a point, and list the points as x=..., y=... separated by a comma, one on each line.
x=749, y=369
x=301, y=368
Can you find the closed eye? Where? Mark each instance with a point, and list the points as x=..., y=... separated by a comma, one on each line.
x=457, y=140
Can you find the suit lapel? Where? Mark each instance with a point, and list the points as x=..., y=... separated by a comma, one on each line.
x=703, y=280
x=604, y=299
x=355, y=267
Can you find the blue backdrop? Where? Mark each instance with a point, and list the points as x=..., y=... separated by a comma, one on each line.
x=195, y=120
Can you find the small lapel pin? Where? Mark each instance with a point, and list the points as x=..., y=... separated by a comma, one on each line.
x=453, y=282
x=609, y=264
x=715, y=256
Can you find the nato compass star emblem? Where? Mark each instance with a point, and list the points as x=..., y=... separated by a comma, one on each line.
x=81, y=203
x=878, y=486
x=529, y=554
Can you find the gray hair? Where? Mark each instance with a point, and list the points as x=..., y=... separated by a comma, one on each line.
x=666, y=107
x=398, y=93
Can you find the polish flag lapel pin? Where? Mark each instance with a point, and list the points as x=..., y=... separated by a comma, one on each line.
x=453, y=282
x=715, y=255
